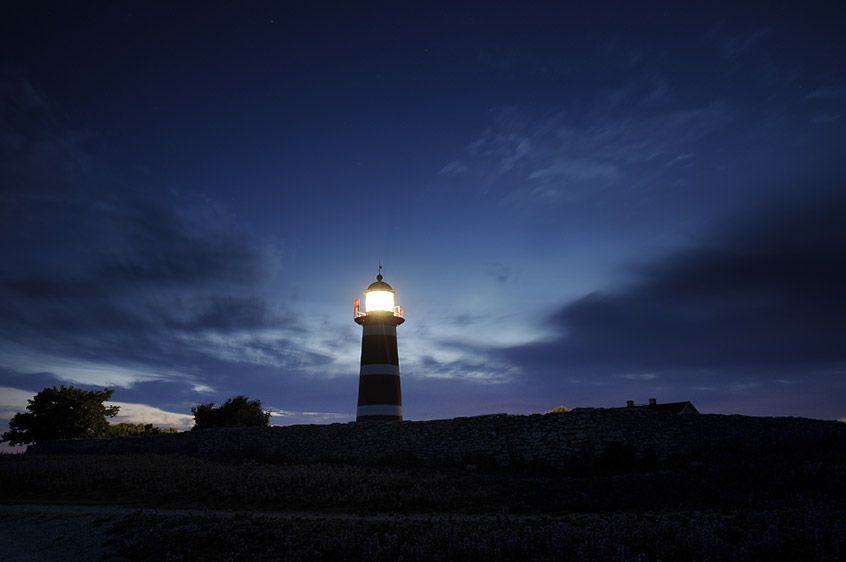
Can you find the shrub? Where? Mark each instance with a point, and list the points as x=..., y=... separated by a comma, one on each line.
x=127, y=429
x=238, y=411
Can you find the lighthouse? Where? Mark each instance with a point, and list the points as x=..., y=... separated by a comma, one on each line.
x=379, y=392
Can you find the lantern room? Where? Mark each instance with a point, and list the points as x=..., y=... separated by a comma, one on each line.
x=379, y=298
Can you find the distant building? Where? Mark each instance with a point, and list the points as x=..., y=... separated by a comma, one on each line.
x=685, y=407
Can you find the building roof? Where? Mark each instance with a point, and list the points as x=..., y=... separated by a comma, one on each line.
x=685, y=407
x=379, y=285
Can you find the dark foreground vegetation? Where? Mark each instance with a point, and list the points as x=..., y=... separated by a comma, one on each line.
x=801, y=533
x=735, y=507
x=186, y=482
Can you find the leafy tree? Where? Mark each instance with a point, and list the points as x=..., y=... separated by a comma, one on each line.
x=127, y=429
x=238, y=411
x=62, y=413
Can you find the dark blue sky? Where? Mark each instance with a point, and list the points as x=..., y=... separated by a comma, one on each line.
x=575, y=205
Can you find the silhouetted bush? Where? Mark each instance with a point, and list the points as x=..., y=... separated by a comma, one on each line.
x=238, y=411
x=128, y=429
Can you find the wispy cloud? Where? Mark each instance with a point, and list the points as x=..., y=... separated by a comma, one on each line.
x=454, y=168
x=740, y=44
x=287, y=417
x=639, y=376
x=481, y=370
x=578, y=170
x=561, y=155
x=826, y=118
x=829, y=93
x=499, y=271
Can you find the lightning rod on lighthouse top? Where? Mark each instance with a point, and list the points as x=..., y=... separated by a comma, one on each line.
x=379, y=391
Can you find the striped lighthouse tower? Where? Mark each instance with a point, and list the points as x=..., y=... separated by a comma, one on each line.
x=379, y=392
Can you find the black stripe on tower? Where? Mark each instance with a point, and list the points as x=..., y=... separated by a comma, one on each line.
x=379, y=389
x=379, y=350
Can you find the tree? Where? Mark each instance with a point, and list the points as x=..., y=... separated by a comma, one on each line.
x=62, y=413
x=238, y=411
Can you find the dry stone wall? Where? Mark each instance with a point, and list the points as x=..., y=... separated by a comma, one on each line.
x=577, y=438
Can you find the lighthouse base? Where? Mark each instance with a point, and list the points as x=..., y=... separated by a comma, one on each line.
x=379, y=412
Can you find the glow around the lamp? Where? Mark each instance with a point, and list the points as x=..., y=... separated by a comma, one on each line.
x=378, y=300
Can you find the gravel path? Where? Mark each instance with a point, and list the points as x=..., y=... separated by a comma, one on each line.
x=44, y=533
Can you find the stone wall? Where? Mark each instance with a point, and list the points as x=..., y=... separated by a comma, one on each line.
x=578, y=438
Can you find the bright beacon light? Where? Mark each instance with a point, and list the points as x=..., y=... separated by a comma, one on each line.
x=378, y=300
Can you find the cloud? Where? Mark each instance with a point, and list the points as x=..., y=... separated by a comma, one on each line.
x=735, y=46
x=825, y=118
x=477, y=369
x=287, y=417
x=578, y=170
x=763, y=300
x=639, y=376
x=129, y=291
x=99, y=274
x=144, y=413
x=454, y=169
x=170, y=394
x=829, y=93
x=266, y=347
x=12, y=401
x=500, y=272
x=561, y=156
x=108, y=280
x=504, y=149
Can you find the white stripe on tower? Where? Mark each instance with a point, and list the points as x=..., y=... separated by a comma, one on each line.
x=379, y=410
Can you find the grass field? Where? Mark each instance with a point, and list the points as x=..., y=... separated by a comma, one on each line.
x=733, y=508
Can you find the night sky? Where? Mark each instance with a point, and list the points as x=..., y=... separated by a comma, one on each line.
x=576, y=206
